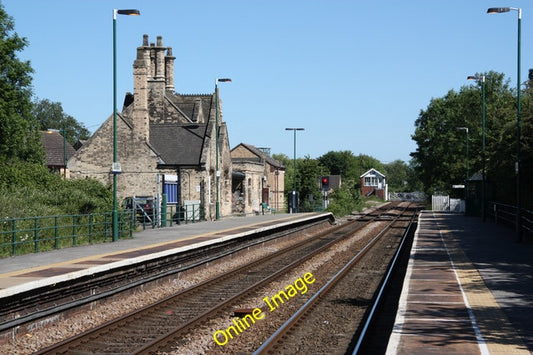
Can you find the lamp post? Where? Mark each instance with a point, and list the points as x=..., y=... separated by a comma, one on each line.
x=294, y=190
x=63, y=133
x=217, y=205
x=483, y=156
x=498, y=10
x=115, y=169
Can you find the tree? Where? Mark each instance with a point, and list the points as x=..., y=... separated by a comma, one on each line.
x=18, y=128
x=344, y=201
x=367, y=162
x=343, y=163
x=307, y=179
x=440, y=157
x=51, y=115
x=307, y=172
x=397, y=174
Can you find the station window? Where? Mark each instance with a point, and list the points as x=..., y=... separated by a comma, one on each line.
x=371, y=181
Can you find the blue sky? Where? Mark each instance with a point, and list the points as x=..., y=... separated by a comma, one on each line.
x=354, y=74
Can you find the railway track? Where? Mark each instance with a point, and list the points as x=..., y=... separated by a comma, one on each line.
x=336, y=318
x=165, y=324
x=23, y=309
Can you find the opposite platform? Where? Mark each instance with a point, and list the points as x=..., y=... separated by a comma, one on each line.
x=467, y=290
x=21, y=273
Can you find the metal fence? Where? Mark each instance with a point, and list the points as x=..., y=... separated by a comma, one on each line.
x=170, y=215
x=445, y=203
x=35, y=234
x=407, y=196
x=506, y=214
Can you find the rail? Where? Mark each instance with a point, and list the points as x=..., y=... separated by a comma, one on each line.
x=273, y=342
x=194, y=306
x=506, y=215
x=384, y=286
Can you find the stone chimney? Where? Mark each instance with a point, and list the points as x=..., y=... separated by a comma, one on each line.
x=156, y=81
x=153, y=75
x=160, y=59
x=140, y=86
x=169, y=70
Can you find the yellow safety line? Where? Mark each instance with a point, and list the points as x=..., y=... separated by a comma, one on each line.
x=496, y=329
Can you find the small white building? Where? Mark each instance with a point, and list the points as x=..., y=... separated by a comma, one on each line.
x=374, y=183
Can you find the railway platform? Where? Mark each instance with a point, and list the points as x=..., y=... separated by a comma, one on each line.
x=468, y=290
x=30, y=271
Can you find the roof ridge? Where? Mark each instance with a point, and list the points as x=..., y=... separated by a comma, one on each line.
x=191, y=95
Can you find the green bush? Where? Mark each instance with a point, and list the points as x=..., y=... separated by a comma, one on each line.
x=28, y=190
x=344, y=201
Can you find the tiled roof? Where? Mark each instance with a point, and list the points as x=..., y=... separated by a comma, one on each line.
x=53, y=147
x=178, y=144
x=187, y=104
x=263, y=155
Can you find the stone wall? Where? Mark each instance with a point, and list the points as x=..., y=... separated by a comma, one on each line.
x=256, y=169
x=137, y=160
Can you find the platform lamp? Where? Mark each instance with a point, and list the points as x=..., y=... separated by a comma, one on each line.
x=499, y=10
x=115, y=168
x=294, y=190
x=217, y=205
x=483, y=114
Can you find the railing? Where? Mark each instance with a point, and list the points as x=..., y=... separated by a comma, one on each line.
x=176, y=214
x=172, y=214
x=506, y=214
x=35, y=234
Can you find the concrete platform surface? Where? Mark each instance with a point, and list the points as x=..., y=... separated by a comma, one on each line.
x=468, y=290
x=140, y=239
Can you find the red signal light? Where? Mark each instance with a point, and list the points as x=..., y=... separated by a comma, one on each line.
x=325, y=183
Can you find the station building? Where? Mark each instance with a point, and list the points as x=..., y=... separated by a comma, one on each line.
x=258, y=180
x=166, y=141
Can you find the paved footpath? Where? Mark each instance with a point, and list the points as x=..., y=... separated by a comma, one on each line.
x=506, y=267
x=143, y=238
x=470, y=290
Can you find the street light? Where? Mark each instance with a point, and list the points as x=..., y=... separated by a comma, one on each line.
x=217, y=205
x=294, y=191
x=62, y=132
x=115, y=168
x=499, y=10
x=483, y=110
